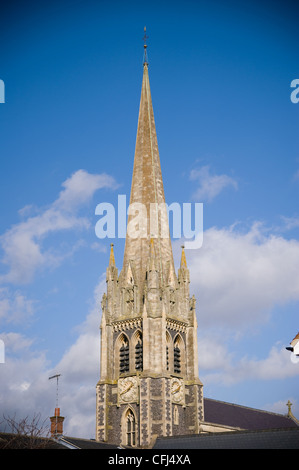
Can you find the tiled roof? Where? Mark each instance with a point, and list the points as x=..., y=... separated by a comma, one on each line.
x=17, y=441
x=78, y=443
x=229, y=414
x=269, y=439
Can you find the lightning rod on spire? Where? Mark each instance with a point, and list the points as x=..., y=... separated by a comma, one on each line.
x=145, y=37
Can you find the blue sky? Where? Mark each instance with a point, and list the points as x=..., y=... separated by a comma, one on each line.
x=220, y=75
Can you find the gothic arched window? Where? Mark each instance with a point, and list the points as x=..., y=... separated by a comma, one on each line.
x=176, y=415
x=139, y=355
x=177, y=357
x=137, y=346
x=167, y=358
x=130, y=428
x=124, y=356
x=169, y=352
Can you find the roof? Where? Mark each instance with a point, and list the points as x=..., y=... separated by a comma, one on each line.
x=78, y=443
x=242, y=417
x=268, y=439
x=296, y=339
x=19, y=441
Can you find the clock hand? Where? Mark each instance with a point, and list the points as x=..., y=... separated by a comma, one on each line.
x=127, y=389
x=177, y=389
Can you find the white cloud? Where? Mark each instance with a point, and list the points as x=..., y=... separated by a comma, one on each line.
x=289, y=223
x=74, y=363
x=210, y=185
x=15, y=307
x=25, y=388
x=80, y=187
x=213, y=354
x=277, y=365
x=80, y=369
x=99, y=247
x=280, y=406
x=15, y=342
x=23, y=243
x=238, y=277
x=218, y=365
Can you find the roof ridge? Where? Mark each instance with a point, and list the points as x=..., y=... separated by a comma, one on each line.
x=241, y=431
x=80, y=438
x=248, y=407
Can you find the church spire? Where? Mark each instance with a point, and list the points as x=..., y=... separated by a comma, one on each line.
x=147, y=192
x=148, y=326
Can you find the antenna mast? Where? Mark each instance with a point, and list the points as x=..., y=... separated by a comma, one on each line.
x=56, y=420
x=56, y=377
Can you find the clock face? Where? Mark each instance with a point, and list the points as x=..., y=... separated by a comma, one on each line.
x=177, y=390
x=127, y=389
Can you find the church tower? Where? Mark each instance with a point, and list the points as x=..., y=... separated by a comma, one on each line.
x=149, y=384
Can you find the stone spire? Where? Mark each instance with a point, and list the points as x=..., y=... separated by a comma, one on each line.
x=147, y=201
x=149, y=382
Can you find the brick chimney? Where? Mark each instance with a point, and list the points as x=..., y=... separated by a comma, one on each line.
x=56, y=423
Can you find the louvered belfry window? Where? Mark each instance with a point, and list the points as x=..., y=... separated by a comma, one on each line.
x=139, y=355
x=177, y=359
x=167, y=358
x=124, y=357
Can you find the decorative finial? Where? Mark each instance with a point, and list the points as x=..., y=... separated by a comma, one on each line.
x=112, y=259
x=183, y=258
x=145, y=37
x=289, y=405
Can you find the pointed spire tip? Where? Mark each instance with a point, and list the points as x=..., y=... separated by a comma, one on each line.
x=183, y=258
x=145, y=37
x=112, y=259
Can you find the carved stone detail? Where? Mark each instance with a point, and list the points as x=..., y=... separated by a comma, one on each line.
x=129, y=324
x=176, y=325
